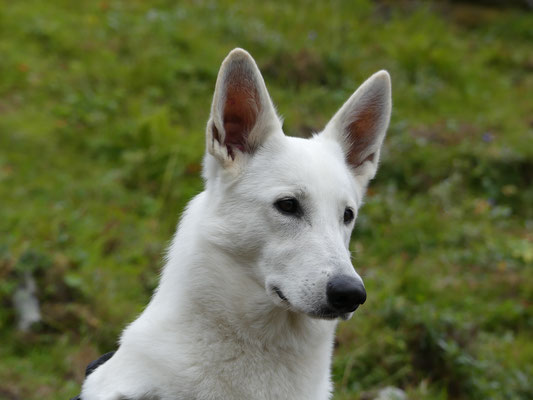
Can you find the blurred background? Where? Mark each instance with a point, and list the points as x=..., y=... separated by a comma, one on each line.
x=103, y=106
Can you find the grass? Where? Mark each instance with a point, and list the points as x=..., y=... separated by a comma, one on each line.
x=102, y=114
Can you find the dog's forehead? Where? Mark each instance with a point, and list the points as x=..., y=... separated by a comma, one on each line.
x=315, y=166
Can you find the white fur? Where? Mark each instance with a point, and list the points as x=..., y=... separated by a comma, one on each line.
x=215, y=327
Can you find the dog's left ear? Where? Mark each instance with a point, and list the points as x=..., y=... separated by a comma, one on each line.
x=361, y=124
x=242, y=114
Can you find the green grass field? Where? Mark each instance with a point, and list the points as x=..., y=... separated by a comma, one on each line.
x=103, y=106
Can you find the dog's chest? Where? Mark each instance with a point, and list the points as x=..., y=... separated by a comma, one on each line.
x=245, y=371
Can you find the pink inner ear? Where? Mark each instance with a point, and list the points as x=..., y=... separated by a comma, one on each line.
x=241, y=109
x=361, y=133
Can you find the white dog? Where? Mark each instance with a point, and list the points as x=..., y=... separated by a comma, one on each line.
x=259, y=270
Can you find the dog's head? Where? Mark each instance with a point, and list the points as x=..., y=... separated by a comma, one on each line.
x=285, y=207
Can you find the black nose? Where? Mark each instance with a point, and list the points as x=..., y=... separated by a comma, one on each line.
x=345, y=293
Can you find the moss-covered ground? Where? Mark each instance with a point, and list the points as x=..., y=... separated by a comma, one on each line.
x=103, y=106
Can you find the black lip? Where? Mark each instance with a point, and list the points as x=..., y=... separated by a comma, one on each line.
x=280, y=293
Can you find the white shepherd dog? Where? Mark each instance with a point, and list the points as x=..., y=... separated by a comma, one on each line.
x=259, y=270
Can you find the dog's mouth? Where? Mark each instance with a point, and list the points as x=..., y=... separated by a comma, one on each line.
x=329, y=313
x=321, y=313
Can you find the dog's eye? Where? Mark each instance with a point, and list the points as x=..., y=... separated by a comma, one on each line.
x=348, y=215
x=288, y=206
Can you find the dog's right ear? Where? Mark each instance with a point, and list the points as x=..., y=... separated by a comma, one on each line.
x=242, y=114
